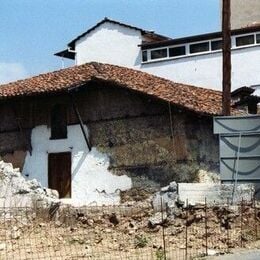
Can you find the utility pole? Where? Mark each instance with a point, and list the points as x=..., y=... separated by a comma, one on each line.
x=226, y=50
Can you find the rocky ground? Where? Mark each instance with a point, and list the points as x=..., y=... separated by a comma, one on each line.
x=35, y=225
x=134, y=232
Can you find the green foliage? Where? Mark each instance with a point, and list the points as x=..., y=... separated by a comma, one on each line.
x=160, y=254
x=141, y=241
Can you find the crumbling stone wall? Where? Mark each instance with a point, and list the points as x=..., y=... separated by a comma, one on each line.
x=133, y=129
x=144, y=149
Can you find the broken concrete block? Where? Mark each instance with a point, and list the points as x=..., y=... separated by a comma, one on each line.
x=8, y=168
x=173, y=187
x=157, y=219
x=162, y=199
x=51, y=193
x=15, y=191
x=34, y=184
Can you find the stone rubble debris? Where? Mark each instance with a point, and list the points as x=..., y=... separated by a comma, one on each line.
x=2, y=246
x=166, y=197
x=16, y=191
x=157, y=219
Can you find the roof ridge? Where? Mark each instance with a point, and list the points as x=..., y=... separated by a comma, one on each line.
x=106, y=19
x=196, y=99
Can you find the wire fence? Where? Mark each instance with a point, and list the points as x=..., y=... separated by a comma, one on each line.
x=127, y=232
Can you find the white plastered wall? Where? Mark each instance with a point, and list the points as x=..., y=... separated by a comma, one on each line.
x=110, y=43
x=206, y=70
x=92, y=182
x=116, y=44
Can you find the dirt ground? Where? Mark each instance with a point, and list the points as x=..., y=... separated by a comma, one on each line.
x=125, y=233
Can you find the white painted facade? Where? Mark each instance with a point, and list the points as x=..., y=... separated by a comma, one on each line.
x=110, y=43
x=92, y=182
x=119, y=45
x=205, y=70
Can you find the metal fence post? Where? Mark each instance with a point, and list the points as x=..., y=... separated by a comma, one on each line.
x=163, y=234
x=241, y=224
x=255, y=218
x=186, y=230
x=206, y=227
x=228, y=237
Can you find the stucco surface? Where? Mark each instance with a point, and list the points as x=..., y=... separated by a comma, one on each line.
x=110, y=43
x=91, y=180
x=206, y=70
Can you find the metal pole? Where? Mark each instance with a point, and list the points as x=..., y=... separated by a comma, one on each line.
x=206, y=227
x=241, y=224
x=186, y=231
x=80, y=122
x=228, y=237
x=226, y=35
x=163, y=234
x=255, y=217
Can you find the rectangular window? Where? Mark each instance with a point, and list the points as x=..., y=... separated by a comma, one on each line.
x=199, y=47
x=158, y=54
x=245, y=40
x=144, y=56
x=258, y=38
x=177, y=51
x=216, y=45
x=59, y=122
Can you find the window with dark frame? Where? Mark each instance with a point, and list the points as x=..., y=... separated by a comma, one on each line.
x=59, y=122
x=177, y=51
x=258, y=38
x=144, y=56
x=158, y=54
x=199, y=47
x=245, y=40
x=216, y=45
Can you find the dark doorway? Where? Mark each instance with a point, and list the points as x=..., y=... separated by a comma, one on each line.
x=59, y=173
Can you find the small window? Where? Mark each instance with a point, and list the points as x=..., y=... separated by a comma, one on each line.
x=245, y=40
x=59, y=122
x=144, y=56
x=177, y=51
x=158, y=54
x=216, y=45
x=258, y=38
x=199, y=47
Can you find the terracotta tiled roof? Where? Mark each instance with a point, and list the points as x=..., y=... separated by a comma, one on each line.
x=200, y=100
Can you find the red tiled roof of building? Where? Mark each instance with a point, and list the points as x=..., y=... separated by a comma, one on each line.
x=200, y=100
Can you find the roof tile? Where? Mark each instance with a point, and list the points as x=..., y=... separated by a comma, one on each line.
x=200, y=100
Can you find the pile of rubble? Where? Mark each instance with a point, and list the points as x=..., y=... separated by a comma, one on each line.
x=15, y=191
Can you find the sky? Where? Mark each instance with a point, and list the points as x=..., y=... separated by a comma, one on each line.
x=31, y=31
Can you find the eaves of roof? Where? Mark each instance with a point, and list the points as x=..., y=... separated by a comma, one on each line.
x=151, y=33
x=195, y=38
x=196, y=99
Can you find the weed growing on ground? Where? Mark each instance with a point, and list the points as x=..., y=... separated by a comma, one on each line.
x=141, y=241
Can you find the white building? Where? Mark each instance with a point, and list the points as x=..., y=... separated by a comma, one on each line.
x=195, y=60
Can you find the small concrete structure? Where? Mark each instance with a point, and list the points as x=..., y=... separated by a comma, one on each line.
x=195, y=193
